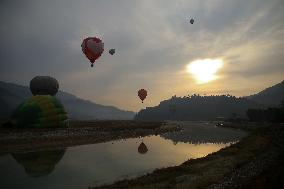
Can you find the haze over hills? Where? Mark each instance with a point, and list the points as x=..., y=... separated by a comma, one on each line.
x=198, y=107
x=11, y=95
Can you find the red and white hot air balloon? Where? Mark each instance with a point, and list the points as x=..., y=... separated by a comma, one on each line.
x=142, y=93
x=93, y=48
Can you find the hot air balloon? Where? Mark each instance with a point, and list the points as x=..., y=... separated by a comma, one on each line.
x=191, y=21
x=142, y=148
x=93, y=48
x=142, y=93
x=40, y=111
x=111, y=51
x=44, y=85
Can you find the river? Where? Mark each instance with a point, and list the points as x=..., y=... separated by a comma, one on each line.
x=103, y=163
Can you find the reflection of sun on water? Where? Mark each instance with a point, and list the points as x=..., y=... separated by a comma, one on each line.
x=204, y=70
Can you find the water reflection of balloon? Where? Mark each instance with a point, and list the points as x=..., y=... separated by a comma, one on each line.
x=40, y=163
x=93, y=48
x=142, y=93
x=142, y=148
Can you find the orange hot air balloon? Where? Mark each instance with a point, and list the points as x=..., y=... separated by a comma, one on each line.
x=142, y=93
x=93, y=48
x=142, y=148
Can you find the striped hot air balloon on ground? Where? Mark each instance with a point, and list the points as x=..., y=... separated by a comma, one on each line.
x=40, y=111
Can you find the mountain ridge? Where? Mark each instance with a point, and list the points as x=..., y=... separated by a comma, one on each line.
x=193, y=107
x=196, y=107
x=11, y=95
x=271, y=96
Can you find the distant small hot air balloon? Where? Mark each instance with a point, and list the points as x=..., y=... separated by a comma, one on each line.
x=93, y=48
x=111, y=51
x=142, y=93
x=142, y=148
x=191, y=21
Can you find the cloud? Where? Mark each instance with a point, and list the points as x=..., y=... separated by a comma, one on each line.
x=153, y=41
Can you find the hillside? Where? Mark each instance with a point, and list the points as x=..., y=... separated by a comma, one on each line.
x=11, y=95
x=198, y=107
x=271, y=96
x=193, y=107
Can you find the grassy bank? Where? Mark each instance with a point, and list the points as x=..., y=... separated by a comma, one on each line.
x=79, y=132
x=254, y=162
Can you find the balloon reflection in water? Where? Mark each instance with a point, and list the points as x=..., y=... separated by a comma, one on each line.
x=40, y=163
x=142, y=148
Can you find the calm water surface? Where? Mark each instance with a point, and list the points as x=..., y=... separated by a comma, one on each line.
x=96, y=164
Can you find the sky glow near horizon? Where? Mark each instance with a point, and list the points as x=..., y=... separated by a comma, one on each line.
x=204, y=70
x=154, y=44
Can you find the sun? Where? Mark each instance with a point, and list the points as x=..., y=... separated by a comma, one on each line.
x=204, y=70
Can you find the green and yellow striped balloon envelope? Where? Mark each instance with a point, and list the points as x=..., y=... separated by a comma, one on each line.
x=41, y=111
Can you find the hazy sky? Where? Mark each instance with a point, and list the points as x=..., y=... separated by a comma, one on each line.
x=154, y=43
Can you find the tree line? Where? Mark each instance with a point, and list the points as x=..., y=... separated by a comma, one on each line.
x=198, y=107
x=271, y=114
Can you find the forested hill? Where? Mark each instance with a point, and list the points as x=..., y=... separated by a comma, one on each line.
x=271, y=96
x=198, y=107
x=11, y=95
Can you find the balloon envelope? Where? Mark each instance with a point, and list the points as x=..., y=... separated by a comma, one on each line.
x=142, y=93
x=191, y=21
x=111, y=51
x=44, y=85
x=93, y=48
x=40, y=111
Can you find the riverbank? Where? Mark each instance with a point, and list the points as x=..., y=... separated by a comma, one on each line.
x=255, y=162
x=79, y=132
